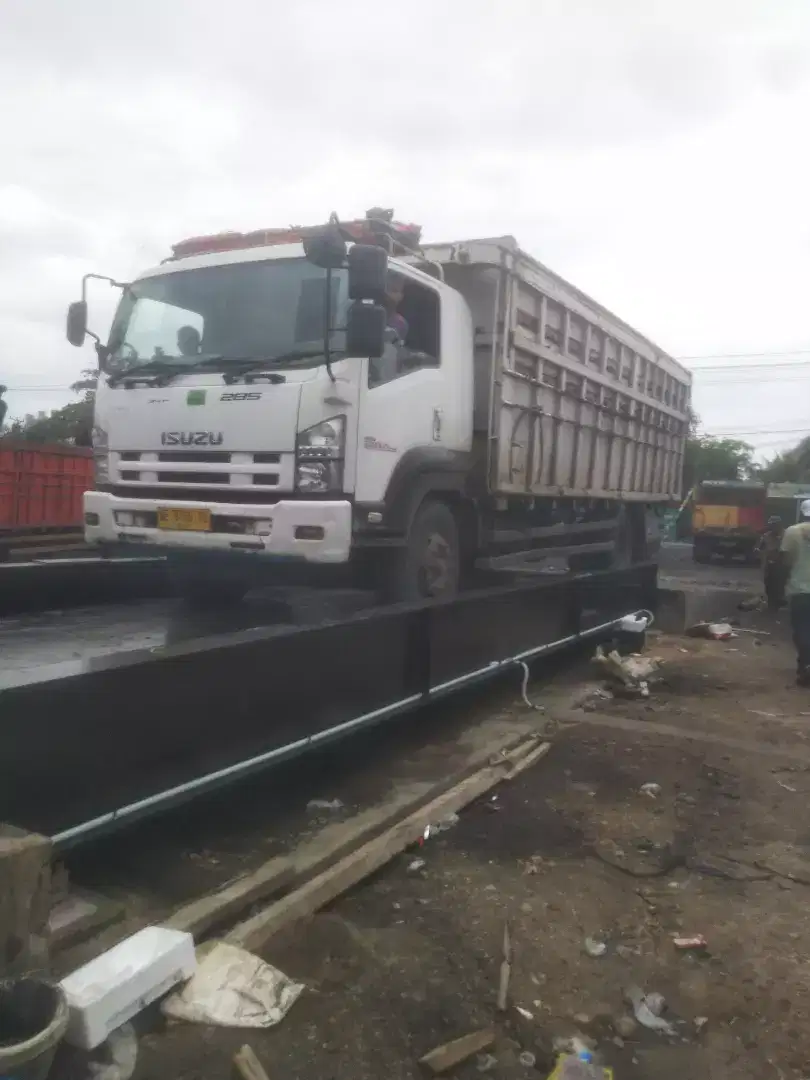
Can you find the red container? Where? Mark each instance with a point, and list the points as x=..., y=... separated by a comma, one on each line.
x=41, y=486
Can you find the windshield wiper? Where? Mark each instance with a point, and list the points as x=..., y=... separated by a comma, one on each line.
x=166, y=366
x=233, y=366
x=245, y=364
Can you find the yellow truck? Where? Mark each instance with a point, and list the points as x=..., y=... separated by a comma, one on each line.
x=728, y=518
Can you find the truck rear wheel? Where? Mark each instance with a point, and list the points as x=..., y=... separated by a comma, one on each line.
x=429, y=565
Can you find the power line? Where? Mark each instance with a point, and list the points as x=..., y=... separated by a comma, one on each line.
x=725, y=383
x=746, y=356
x=782, y=365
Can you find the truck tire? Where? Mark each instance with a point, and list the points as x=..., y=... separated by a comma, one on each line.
x=429, y=564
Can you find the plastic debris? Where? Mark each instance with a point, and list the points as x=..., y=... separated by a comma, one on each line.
x=440, y=826
x=656, y=1003
x=594, y=947
x=415, y=865
x=579, y=1066
x=700, y=1023
x=524, y=1012
x=324, y=804
x=653, y=790
x=527, y=1059
x=233, y=988
x=630, y=674
x=697, y=941
x=719, y=631
x=645, y=1015
x=485, y=1062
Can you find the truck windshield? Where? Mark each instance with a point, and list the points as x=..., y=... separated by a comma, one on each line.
x=234, y=312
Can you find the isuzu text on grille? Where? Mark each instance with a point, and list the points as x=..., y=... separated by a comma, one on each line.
x=191, y=438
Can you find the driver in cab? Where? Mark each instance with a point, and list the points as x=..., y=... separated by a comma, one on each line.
x=394, y=360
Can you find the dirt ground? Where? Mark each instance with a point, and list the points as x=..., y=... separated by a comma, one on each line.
x=574, y=849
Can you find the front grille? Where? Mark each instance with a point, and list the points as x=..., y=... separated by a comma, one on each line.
x=193, y=478
x=138, y=466
x=208, y=457
x=198, y=494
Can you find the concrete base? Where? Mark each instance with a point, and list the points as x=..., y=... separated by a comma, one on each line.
x=25, y=901
x=682, y=607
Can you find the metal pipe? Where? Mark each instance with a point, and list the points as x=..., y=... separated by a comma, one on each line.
x=232, y=772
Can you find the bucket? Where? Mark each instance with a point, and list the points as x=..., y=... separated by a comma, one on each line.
x=33, y=1019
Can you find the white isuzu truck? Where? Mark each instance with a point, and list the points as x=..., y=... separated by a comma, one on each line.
x=345, y=403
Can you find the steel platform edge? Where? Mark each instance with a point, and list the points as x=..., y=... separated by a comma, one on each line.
x=90, y=745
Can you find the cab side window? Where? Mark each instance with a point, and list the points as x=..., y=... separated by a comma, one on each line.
x=414, y=336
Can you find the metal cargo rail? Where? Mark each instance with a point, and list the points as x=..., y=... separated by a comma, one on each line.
x=85, y=746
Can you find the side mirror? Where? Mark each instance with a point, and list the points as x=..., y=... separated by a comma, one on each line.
x=325, y=248
x=77, y=323
x=365, y=330
x=368, y=271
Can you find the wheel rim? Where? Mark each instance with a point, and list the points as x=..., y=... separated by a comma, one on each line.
x=436, y=569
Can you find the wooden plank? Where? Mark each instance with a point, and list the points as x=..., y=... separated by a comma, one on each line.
x=246, y=1066
x=253, y=933
x=332, y=843
x=446, y=1057
x=25, y=901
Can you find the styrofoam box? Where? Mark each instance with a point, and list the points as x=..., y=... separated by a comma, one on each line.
x=111, y=989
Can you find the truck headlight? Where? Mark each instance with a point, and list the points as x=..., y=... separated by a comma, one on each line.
x=101, y=454
x=319, y=456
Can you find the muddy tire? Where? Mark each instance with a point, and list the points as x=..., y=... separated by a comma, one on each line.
x=429, y=565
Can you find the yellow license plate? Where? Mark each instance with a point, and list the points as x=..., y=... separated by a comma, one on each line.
x=183, y=519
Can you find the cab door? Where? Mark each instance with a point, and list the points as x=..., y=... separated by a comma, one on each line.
x=406, y=397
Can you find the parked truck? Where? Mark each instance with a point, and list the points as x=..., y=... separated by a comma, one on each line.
x=728, y=519
x=348, y=403
x=41, y=497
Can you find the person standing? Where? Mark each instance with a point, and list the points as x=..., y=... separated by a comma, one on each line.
x=3, y=406
x=795, y=570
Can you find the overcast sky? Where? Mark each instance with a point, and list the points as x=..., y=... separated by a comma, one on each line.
x=654, y=153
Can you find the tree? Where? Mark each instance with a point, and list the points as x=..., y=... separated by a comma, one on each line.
x=709, y=458
x=72, y=424
x=791, y=466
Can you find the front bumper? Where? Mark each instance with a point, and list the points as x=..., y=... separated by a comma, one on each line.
x=315, y=532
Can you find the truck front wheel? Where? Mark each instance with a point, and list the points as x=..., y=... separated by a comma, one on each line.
x=428, y=566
